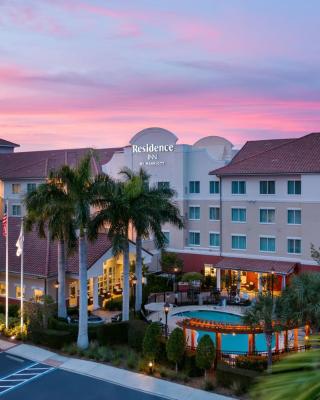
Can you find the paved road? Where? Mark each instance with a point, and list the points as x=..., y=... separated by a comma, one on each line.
x=24, y=379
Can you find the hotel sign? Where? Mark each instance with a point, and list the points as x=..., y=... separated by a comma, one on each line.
x=153, y=151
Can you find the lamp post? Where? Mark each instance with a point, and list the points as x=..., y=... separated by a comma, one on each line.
x=175, y=271
x=166, y=311
x=272, y=281
x=56, y=285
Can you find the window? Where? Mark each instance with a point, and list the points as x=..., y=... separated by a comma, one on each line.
x=2, y=289
x=238, y=242
x=16, y=210
x=267, y=187
x=214, y=187
x=37, y=294
x=238, y=215
x=294, y=217
x=214, y=213
x=167, y=236
x=294, y=246
x=294, y=187
x=214, y=239
x=194, y=212
x=194, y=238
x=238, y=187
x=194, y=186
x=267, y=216
x=163, y=185
x=18, y=292
x=268, y=244
x=16, y=188
x=31, y=187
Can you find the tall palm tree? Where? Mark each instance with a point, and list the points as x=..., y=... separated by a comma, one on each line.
x=49, y=209
x=114, y=202
x=78, y=186
x=262, y=312
x=297, y=376
x=151, y=208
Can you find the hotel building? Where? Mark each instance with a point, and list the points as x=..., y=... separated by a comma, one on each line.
x=248, y=214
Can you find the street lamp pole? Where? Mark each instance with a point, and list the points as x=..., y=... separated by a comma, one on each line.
x=272, y=281
x=56, y=285
x=166, y=311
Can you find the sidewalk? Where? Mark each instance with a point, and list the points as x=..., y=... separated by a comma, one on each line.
x=133, y=380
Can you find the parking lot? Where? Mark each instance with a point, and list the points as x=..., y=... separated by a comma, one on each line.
x=24, y=379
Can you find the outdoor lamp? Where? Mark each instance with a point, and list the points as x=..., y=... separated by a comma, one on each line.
x=272, y=271
x=150, y=367
x=56, y=284
x=166, y=307
x=134, y=281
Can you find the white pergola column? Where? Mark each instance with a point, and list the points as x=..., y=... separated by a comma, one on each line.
x=283, y=282
x=95, y=292
x=259, y=282
x=218, y=272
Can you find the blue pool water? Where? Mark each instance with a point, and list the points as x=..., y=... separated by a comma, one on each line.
x=239, y=342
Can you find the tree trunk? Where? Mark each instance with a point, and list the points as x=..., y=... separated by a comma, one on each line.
x=138, y=273
x=176, y=367
x=62, y=309
x=269, y=347
x=83, y=340
x=126, y=280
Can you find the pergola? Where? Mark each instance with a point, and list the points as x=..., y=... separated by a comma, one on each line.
x=194, y=324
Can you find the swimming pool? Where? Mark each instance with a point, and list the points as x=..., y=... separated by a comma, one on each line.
x=230, y=342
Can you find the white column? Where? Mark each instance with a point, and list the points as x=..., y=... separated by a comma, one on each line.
x=283, y=282
x=95, y=293
x=259, y=282
x=218, y=272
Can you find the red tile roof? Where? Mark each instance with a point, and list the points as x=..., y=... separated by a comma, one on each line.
x=40, y=255
x=285, y=156
x=256, y=265
x=195, y=262
x=37, y=164
x=6, y=143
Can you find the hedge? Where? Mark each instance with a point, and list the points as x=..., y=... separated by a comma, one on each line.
x=13, y=310
x=190, y=366
x=73, y=329
x=227, y=376
x=113, y=333
x=136, y=332
x=52, y=338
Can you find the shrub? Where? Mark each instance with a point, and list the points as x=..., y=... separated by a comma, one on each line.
x=151, y=341
x=205, y=353
x=255, y=363
x=61, y=325
x=105, y=354
x=190, y=366
x=132, y=360
x=176, y=346
x=70, y=348
x=136, y=332
x=208, y=385
x=13, y=309
x=51, y=338
x=114, y=304
x=113, y=333
x=92, y=351
x=237, y=378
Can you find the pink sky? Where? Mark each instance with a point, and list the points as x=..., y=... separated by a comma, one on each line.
x=93, y=73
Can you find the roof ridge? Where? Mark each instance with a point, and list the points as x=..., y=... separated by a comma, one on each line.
x=263, y=152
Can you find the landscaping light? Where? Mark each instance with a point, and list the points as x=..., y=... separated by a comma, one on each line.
x=233, y=334
x=150, y=367
x=13, y=337
x=306, y=338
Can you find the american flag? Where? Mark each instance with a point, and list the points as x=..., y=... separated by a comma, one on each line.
x=4, y=225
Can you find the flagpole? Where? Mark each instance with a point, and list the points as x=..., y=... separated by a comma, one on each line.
x=21, y=281
x=7, y=266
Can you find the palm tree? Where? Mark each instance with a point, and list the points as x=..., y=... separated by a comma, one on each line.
x=151, y=207
x=49, y=208
x=262, y=312
x=297, y=376
x=114, y=199
x=299, y=303
x=78, y=186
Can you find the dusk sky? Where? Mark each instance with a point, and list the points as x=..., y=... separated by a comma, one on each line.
x=77, y=73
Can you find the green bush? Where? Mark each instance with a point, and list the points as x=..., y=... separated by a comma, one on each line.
x=238, y=378
x=51, y=338
x=13, y=309
x=208, y=386
x=190, y=366
x=255, y=363
x=73, y=328
x=205, y=353
x=176, y=346
x=132, y=360
x=113, y=333
x=114, y=304
x=136, y=332
x=151, y=341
